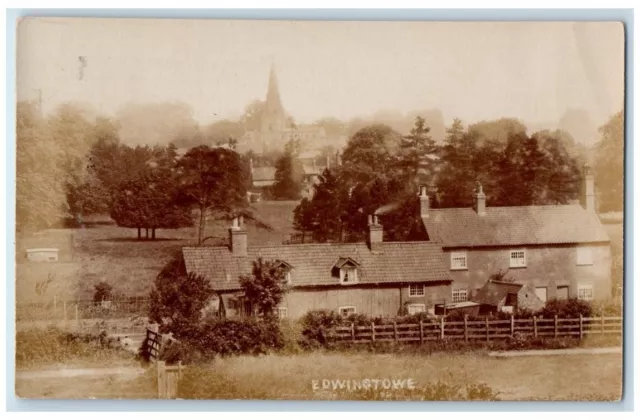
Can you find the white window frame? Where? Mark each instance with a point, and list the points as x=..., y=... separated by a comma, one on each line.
x=343, y=272
x=282, y=312
x=584, y=255
x=457, y=293
x=420, y=306
x=419, y=291
x=287, y=276
x=457, y=256
x=585, y=288
x=342, y=308
x=515, y=262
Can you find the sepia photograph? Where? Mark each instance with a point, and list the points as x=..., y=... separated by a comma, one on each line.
x=211, y=209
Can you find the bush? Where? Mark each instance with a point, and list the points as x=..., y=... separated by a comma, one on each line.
x=569, y=308
x=225, y=337
x=316, y=326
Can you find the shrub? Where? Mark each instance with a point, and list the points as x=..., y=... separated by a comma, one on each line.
x=102, y=291
x=316, y=326
x=569, y=308
x=226, y=337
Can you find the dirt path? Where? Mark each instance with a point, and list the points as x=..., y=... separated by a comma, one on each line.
x=559, y=352
x=124, y=372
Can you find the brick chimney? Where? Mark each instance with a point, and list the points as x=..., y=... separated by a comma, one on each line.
x=238, y=237
x=424, y=201
x=588, y=198
x=375, y=233
x=328, y=161
x=481, y=201
x=338, y=159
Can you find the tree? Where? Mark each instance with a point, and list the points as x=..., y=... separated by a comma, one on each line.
x=371, y=152
x=149, y=201
x=499, y=130
x=40, y=193
x=289, y=177
x=265, y=287
x=212, y=180
x=609, y=166
x=418, y=155
x=179, y=298
x=561, y=174
x=252, y=117
x=303, y=218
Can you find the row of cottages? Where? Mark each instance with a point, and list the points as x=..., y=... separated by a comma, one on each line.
x=561, y=251
x=557, y=251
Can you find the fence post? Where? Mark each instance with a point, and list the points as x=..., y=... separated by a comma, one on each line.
x=602, y=324
x=395, y=331
x=555, y=326
x=77, y=319
x=466, y=335
x=373, y=332
x=421, y=332
x=64, y=309
x=512, y=327
x=535, y=326
x=442, y=328
x=580, y=326
x=486, y=325
x=353, y=332
x=179, y=369
x=162, y=386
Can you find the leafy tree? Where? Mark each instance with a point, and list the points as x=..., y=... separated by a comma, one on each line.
x=327, y=208
x=179, y=298
x=212, y=180
x=40, y=193
x=561, y=174
x=609, y=166
x=265, y=287
x=289, y=177
x=303, y=218
x=252, y=117
x=371, y=152
x=498, y=130
x=149, y=201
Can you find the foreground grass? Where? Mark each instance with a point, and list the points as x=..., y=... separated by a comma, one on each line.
x=53, y=348
x=437, y=377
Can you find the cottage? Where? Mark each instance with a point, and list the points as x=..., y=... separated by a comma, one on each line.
x=562, y=251
x=499, y=296
x=374, y=277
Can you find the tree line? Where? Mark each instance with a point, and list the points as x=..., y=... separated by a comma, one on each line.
x=382, y=170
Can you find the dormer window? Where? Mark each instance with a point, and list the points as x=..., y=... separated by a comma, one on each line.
x=348, y=275
x=346, y=270
x=286, y=268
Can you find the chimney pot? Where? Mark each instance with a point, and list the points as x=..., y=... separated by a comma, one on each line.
x=588, y=190
x=481, y=201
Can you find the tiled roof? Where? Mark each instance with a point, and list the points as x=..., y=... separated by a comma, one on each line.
x=396, y=262
x=493, y=292
x=528, y=225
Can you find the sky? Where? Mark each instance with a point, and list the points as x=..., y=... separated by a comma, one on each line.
x=475, y=71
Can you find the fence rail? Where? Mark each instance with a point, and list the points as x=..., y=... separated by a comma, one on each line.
x=479, y=329
x=81, y=309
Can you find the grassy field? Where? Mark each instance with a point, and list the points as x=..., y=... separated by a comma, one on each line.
x=576, y=377
x=105, y=252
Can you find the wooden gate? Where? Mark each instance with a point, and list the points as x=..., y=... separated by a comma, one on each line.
x=168, y=378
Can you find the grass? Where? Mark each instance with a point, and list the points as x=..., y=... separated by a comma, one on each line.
x=460, y=376
x=53, y=348
x=105, y=252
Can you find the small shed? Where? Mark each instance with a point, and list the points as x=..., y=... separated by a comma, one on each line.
x=42, y=254
x=464, y=308
x=499, y=296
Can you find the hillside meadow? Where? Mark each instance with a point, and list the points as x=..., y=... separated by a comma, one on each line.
x=105, y=252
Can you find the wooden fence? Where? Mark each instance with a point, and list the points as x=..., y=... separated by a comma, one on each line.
x=479, y=329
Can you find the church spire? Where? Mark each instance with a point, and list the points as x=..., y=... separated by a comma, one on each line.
x=273, y=94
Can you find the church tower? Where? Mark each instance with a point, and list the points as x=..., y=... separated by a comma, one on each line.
x=274, y=118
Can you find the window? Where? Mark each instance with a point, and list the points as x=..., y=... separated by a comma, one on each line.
x=517, y=258
x=348, y=275
x=416, y=290
x=562, y=293
x=282, y=312
x=347, y=310
x=585, y=292
x=541, y=292
x=415, y=308
x=459, y=295
x=584, y=256
x=458, y=260
x=287, y=277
